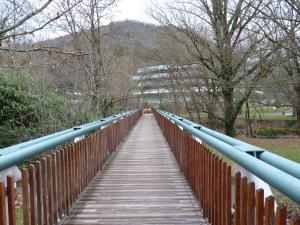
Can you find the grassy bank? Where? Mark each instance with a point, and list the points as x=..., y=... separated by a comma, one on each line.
x=288, y=148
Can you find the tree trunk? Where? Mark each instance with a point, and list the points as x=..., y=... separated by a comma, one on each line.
x=298, y=120
x=229, y=116
x=211, y=111
x=94, y=107
x=249, y=131
x=297, y=108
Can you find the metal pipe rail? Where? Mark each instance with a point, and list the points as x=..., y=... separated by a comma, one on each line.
x=51, y=186
x=12, y=155
x=17, y=147
x=267, y=166
x=279, y=162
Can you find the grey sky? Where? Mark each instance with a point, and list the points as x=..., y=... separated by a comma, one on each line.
x=133, y=10
x=124, y=10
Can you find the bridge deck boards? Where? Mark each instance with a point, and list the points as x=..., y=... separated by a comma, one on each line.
x=141, y=185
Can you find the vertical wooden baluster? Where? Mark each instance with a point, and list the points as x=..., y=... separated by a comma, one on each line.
x=54, y=186
x=50, y=189
x=197, y=175
x=25, y=196
x=243, y=204
x=212, y=184
x=39, y=195
x=72, y=174
x=208, y=180
x=237, y=199
x=85, y=163
x=189, y=155
x=99, y=151
x=281, y=215
x=63, y=182
x=90, y=155
x=11, y=201
x=185, y=154
x=95, y=154
x=32, y=186
x=67, y=180
x=251, y=204
x=269, y=210
x=215, y=190
x=201, y=172
x=228, y=196
x=3, y=204
x=81, y=165
x=295, y=220
x=77, y=170
x=220, y=192
x=210, y=192
x=76, y=164
x=223, y=195
x=59, y=188
x=192, y=158
x=259, y=207
x=205, y=181
x=45, y=192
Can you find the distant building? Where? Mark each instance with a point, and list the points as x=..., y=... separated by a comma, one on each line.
x=157, y=84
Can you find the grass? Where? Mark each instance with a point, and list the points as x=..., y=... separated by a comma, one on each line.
x=273, y=117
x=285, y=147
x=19, y=216
x=260, y=113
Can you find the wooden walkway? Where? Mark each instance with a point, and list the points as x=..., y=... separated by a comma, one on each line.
x=142, y=184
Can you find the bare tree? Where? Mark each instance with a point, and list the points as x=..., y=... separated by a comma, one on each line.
x=224, y=38
x=20, y=21
x=283, y=20
x=101, y=67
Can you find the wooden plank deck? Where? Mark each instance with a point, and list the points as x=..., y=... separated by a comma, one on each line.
x=142, y=184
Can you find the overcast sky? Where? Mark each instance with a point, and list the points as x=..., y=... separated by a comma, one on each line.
x=133, y=10
x=124, y=10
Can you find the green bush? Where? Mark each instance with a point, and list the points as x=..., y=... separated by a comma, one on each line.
x=28, y=109
x=272, y=132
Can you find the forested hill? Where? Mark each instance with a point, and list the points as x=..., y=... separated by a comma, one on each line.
x=138, y=38
x=125, y=46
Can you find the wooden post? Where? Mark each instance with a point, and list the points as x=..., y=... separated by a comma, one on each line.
x=237, y=200
x=269, y=211
x=32, y=186
x=11, y=201
x=25, y=195
x=251, y=204
x=281, y=215
x=2, y=203
x=259, y=207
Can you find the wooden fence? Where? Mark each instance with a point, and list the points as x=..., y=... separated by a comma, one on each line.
x=211, y=179
x=51, y=186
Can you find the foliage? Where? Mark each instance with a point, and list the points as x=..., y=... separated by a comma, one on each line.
x=273, y=132
x=28, y=109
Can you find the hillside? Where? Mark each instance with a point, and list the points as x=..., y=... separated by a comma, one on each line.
x=133, y=42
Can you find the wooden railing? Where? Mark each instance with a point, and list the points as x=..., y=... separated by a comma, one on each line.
x=211, y=180
x=51, y=186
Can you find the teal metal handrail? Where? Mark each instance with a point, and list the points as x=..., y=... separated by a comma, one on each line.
x=280, y=173
x=12, y=155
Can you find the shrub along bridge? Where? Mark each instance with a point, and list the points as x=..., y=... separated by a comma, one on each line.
x=158, y=172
